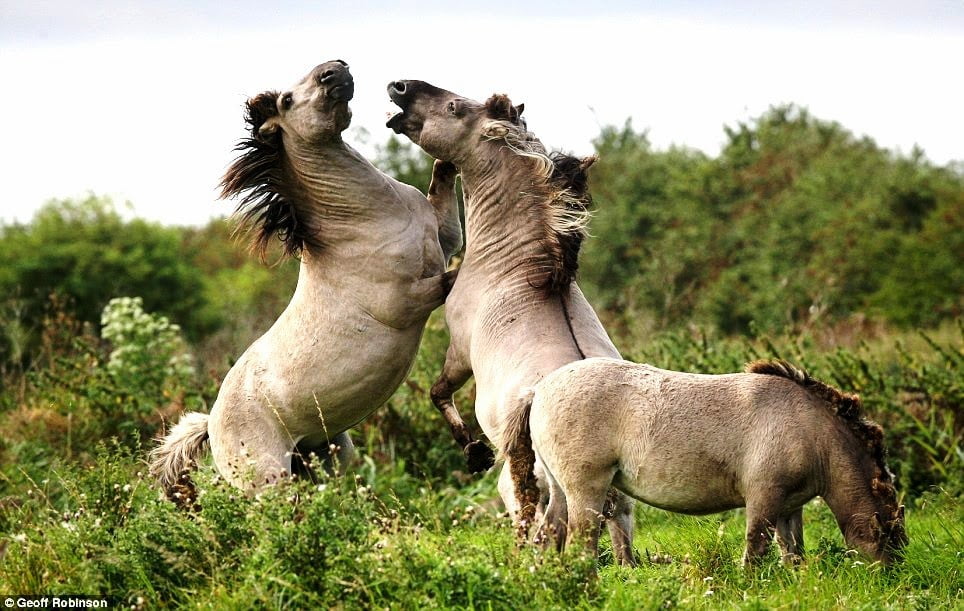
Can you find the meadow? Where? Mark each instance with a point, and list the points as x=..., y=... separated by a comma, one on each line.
x=799, y=241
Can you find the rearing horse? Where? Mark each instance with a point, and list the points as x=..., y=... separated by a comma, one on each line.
x=373, y=257
x=515, y=314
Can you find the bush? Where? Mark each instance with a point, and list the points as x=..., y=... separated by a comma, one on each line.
x=86, y=253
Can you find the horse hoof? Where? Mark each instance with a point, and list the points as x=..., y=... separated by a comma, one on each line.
x=479, y=457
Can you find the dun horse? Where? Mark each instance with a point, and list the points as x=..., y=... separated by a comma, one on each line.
x=515, y=314
x=768, y=440
x=373, y=257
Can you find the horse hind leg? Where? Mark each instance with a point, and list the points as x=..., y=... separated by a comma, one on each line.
x=585, y=501
x=621, y=523
x=257, y=455
x=333, y=456
x=553, y=524
x=790, y=537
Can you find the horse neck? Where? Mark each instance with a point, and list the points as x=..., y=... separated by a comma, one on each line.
x=337, y=192
x=504, y=225
x=848, y=489
x=506, y=254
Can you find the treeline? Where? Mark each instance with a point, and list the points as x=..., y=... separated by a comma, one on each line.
x=796, y=223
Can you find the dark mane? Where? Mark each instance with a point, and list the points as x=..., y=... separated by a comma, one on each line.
x=570, y=179
x=565, y=200
x=846, y=406
x=257, y=176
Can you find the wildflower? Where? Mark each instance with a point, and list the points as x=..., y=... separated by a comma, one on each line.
x=708, y=593
x=127, y=487
x=20, y=538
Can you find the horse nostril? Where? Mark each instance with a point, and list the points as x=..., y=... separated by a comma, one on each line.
x=327, y=74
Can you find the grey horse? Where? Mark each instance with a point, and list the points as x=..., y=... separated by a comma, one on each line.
x=769, y=440
x=373, y=257
x=515, y=314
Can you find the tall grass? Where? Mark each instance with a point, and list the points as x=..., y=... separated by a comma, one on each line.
x=408, y=529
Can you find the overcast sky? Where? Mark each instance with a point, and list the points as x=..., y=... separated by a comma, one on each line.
x=142, y=100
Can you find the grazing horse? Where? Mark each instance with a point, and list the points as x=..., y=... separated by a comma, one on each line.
x=769, y=440
x=373, y=258
x=515, y=314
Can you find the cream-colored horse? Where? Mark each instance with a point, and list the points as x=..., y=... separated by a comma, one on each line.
x=373, y=258
x=515, y=314
x=769, y=440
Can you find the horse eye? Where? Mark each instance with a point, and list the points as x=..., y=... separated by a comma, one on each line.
x=286, y=101
x=452, y=108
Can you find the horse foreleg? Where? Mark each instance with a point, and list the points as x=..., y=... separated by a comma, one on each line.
x=413, y=307
x=761, y=520
x=478, y=455
x=790, y=537
x=441, y=195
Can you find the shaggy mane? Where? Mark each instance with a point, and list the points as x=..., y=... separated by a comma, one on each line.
x=846, y=406
x=565, y=203
x=257, y=176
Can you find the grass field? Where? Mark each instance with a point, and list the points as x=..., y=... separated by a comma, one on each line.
x=406, y=529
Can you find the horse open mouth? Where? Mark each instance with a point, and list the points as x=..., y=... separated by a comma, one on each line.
x=402, y=122
x=396, y=122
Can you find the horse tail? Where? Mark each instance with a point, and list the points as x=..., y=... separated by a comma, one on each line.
x=517, y=442
x=179, y=451
x=846, y=405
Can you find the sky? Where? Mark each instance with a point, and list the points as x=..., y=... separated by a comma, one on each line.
x=142, y=101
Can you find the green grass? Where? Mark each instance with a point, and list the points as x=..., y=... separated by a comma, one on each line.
x=104, y=529
x=407, y=529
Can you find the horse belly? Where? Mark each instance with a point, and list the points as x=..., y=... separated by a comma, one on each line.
x=344, y=380
x=681, y=484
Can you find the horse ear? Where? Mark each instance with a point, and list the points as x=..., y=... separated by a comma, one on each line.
x=500, y=108
x=587, y=162
x=262, y=114
x=519, y=108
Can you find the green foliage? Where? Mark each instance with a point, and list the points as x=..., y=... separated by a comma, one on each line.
x=404, y=162
x=795, y=222
x=148, y=349
x=87, y=391
x=84, y=251
x=799, y=241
